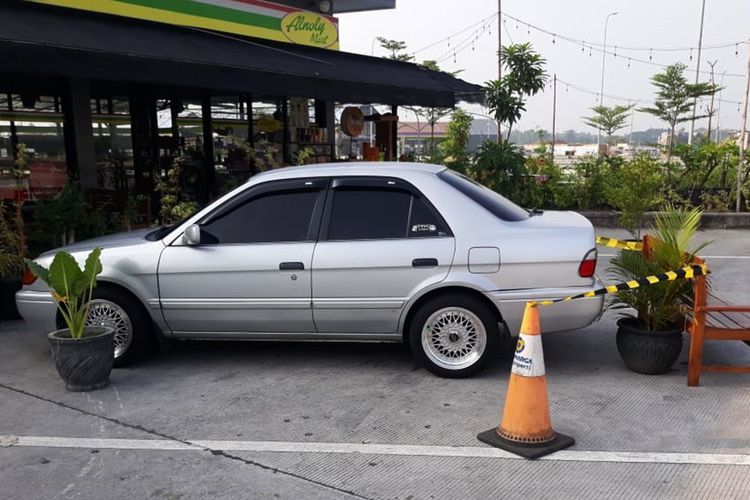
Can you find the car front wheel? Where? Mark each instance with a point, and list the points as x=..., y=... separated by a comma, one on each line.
x=453, y=335
x=125, y=315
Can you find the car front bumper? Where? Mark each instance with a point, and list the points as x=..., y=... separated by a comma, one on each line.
x=571, y=315
x=38, y=309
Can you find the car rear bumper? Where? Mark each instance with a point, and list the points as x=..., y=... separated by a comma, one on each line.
x=571, y=315
x=38, y=309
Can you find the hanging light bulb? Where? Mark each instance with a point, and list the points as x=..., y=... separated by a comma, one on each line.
x=553, y=38
x=691, y=53
x=583, y=47
x=615, y=52
x=736, y=48
x=628, y=62
x=650, y=54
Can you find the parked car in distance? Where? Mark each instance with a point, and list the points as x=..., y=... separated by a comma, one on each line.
x=383, y=252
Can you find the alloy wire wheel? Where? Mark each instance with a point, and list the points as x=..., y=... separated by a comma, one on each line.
x=108, y=314
x=454, y=338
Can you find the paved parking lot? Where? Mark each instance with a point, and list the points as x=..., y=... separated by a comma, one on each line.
x=272, y=420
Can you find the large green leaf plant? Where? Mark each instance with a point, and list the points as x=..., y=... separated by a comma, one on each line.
x=71, y=286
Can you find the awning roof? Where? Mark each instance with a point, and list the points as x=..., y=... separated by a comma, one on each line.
x=52, y=41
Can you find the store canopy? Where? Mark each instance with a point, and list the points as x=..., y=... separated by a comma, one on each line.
x=50, y=41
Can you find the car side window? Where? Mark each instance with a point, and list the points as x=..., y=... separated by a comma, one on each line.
x=424, y=221
x=369, y=213
x=281, y=216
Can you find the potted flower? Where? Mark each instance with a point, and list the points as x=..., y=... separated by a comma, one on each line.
x=649, y=335
x=11, y=265
x=83, y=354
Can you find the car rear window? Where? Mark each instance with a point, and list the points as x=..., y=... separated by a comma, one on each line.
x=497, y=204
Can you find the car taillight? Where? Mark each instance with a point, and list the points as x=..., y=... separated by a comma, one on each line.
x=588, y=264
x=28, y=276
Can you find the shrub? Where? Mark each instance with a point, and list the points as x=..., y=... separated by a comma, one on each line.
x=501, y=167
x=634, y=189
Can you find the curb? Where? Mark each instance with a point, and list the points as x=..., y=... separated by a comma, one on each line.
x=709, y=220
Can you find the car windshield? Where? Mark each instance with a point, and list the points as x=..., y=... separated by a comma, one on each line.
x=499, y=205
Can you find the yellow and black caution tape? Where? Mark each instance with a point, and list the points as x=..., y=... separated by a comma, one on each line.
x=635, y=246
x=687, y=272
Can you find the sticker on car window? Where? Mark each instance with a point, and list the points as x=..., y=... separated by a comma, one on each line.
x=423, y=228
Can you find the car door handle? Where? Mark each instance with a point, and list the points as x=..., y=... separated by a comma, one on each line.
x=424, y=263
x=291, y=266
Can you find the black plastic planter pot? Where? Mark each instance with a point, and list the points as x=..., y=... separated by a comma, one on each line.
x=646, y=351
x=84, y=364
x=8, y=289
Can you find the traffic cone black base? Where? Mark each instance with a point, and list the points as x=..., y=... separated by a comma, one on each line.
x=526, y=450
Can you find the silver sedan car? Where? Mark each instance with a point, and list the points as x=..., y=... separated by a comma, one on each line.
x=376, y=252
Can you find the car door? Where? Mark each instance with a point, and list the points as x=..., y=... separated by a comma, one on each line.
x=381, y=241
x=251, y=270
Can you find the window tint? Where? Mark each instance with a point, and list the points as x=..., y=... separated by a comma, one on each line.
x=359, y=214
x=279, y=216
x=499, y=205
x=424, y=221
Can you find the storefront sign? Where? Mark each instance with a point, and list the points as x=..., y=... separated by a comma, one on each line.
x=307, y=28
x=255, y=18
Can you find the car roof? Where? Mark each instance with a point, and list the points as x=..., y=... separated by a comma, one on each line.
x=350, y=168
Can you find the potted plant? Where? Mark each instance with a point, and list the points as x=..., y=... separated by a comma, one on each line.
x=83, y=354
x=649, y=335
x=13, y=236
x=11, y=266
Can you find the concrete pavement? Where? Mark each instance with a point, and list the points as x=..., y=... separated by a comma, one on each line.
x=272, y=420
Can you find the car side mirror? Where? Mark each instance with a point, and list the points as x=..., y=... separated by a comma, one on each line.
x=192, y=235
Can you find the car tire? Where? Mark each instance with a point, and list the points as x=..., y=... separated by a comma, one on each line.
x=453, y=335
x=126, y=315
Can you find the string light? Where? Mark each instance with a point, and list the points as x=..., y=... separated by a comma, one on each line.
x=600, y=48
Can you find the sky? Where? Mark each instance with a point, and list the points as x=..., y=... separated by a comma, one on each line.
x=657, y=24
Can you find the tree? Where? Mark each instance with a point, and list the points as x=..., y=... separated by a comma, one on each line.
x=675, y=98
x=396, y=48
x=524, y=77
x=457, y=139
x=610, y=120
x=433, y=115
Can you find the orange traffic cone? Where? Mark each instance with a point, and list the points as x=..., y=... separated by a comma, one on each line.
x=526, y=427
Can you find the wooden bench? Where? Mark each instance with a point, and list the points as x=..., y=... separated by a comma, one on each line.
x=713, y=318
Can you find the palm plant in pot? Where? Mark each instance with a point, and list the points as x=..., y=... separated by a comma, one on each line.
x=649, y=335
x=83, y=354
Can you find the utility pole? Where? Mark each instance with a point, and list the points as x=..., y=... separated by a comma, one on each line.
x=711, y=106
x=554, y=114
x=601, y=89
x=499, y=61
x=717, y=137
x=697, y=72
x=743, y=132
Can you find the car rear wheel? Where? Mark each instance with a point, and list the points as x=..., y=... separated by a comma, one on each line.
x=125, y=315
x=453, y=335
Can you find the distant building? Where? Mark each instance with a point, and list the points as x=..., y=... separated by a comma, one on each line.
x=414, y=137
